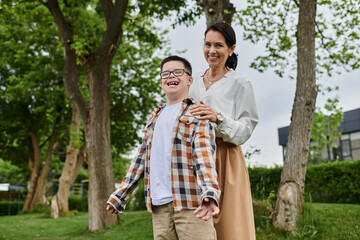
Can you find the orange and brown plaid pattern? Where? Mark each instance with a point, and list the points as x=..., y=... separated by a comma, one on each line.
x=193, y=173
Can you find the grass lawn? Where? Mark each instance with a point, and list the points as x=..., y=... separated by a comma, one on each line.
x=319, y=221
x=133, y=225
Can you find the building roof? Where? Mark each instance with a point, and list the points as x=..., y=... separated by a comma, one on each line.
x=350, y=123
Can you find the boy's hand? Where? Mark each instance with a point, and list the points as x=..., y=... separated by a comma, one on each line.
x=111, y=209
x=208, y=208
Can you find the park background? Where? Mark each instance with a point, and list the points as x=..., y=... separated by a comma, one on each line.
x=274, y=97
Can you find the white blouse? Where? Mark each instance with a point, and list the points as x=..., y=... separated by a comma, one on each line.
x=233, y=97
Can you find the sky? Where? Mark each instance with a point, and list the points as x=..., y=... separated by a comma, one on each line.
x=274, y=95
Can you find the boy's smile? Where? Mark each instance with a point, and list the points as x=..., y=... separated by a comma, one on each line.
x=173, y=83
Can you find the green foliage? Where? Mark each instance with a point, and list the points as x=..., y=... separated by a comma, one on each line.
x=78, y=203
x=325, y=130
x=275, y=23
x=135, y=87
x=271, y=201
x=251, y=151
x=31, y=90
x=31, y=73
x=12, y=174
x=337, y=182
x=185, y=11
x=137, y=199
x=83, y=175
x=121, y=164
x=270, y=21
x=263, y=181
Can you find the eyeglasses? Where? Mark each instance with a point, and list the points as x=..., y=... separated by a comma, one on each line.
x=176, y=72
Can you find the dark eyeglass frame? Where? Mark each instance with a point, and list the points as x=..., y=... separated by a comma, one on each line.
x=173, y=72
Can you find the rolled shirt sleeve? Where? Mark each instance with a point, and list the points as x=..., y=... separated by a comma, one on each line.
x=203, y=152
x=238, y=129
x=134, y=175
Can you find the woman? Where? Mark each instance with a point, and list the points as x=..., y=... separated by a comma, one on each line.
x=227, y=99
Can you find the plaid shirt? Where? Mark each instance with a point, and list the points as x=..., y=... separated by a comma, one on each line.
x=193, y=175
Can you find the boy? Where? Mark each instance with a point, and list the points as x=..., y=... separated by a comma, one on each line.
x=177, y=161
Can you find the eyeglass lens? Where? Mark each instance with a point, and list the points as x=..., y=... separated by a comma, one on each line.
x=176, y=72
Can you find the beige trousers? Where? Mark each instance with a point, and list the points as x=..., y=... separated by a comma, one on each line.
x=236, y=218
x=169, y=224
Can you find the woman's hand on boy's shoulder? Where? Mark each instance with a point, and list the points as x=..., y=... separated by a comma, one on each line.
x=152, y=115
x=204, y=111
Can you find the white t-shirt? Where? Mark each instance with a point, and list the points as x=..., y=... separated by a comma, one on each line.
x=160, y=157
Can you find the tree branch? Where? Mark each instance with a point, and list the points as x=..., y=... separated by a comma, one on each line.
x=45, y=141
x=107, y=8
x=71, y=78
x=322, y=39
x=296, y=2
x=111, y=40
x=286, y=13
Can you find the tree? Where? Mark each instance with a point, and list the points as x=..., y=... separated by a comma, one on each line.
x=31, y=97
x=336, y=43
x=291, y=189
x=217, y=11
x=324, y=130
x=95, y=114
x=75, y=155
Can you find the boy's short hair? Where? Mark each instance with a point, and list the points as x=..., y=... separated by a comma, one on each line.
x=186, y=63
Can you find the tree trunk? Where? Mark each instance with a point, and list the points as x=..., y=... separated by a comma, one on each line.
x=35, y=194
x=328, y=149
x=217, y=11
x=101, y=176
x=35, y=172
x=39, y=197
x=73, y=162
x=290, y=194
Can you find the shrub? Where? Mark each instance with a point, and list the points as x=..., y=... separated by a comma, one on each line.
x=15, y=207
x=137, y=199
x=263, y=181
x=337, y=182
x=78, y=203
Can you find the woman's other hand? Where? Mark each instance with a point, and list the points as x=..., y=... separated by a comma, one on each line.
x=204, y=111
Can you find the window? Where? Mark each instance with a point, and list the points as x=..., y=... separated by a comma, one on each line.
x=345, y=149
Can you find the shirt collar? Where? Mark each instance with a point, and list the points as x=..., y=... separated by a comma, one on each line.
x=186, y=100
